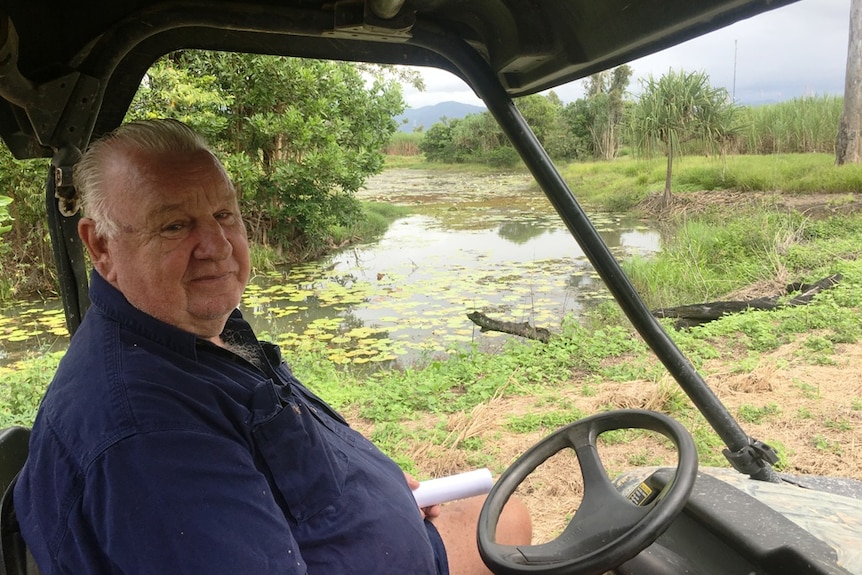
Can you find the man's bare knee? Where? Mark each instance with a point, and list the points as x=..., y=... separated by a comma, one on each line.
x=515, y=526
x=457, y=525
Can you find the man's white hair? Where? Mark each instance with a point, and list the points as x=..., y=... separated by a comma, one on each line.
x=154, y=136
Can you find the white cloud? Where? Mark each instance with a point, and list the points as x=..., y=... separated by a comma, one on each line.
x=793, y=51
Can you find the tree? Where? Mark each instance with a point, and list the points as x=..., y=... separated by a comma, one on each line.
x=169, y=90
x=436, y=143
x=677, y=108
x=577, y=120
x=594, y=123
x=25, y=251
x=476, y=136
x=849, y=143
x=544, y=114
x=473, y=138
x=479, y=138
x=605, y=97
x=299, y=137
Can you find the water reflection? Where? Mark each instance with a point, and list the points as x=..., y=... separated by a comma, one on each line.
x=521, y=232
x=407, y=296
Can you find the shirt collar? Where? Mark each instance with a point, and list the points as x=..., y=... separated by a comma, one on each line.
x=113, y=304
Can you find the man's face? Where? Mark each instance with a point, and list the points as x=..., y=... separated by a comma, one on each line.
x=181, y=254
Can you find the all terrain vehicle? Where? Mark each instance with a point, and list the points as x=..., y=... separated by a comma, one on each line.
x=69, y=70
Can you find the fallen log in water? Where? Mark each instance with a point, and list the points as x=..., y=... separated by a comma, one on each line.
x=523, y=329
x=686, y=315
x=696, y=314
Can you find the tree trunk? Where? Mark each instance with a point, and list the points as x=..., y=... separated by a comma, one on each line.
x=697, y=314
x=667, y=197
x=848, y=148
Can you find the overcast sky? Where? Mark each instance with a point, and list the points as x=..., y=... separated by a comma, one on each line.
x=793, y=51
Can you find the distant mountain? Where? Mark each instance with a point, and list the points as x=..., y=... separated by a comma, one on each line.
x=427, y=116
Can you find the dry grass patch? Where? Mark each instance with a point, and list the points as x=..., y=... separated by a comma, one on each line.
x=811, y=413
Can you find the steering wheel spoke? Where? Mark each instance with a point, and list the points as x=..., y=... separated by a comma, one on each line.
x=607, y=529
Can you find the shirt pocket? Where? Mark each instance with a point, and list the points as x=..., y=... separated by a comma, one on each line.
x=307, y=460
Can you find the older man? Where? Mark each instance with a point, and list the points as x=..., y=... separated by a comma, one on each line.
x=173, y=441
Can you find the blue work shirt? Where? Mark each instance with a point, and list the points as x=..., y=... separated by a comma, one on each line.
x=158, y=452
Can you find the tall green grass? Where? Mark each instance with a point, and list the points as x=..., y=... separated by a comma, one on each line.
x=801, y=125
x=404, y=144
x=717, y=253
x=714, y=254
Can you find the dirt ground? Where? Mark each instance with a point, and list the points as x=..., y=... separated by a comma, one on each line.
x=814, y=419
x=812, y=414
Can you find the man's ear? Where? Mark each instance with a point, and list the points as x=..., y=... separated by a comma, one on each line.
x=97, y=246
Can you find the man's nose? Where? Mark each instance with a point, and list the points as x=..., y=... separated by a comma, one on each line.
x=212, y=241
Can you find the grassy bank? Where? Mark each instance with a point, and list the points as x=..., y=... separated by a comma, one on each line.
x=622, y=184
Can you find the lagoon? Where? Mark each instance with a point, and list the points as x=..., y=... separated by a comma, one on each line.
x=485, y=242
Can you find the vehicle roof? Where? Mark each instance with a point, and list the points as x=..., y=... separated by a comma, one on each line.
x=69, y=69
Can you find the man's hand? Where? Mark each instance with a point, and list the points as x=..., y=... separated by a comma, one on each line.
x=429, y=512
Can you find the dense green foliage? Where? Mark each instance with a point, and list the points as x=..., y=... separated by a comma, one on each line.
x=475, y=138
x=800, y=125
x=25, y=254
x=299, y=137
x=585, y=129
x=595, y=123
x=607, y=123
x=23, y=388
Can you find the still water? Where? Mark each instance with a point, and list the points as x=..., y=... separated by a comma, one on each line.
x=489, y=243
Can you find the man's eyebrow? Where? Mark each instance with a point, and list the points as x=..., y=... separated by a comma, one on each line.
x=166, y=208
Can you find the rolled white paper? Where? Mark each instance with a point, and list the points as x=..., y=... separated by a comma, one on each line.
x=460, y=486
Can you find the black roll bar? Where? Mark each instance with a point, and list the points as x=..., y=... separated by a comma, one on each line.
x=61, y=204
x=746, y=454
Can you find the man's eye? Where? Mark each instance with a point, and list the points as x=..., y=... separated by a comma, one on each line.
x=174, y=229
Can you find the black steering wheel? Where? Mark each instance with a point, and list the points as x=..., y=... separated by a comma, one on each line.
x=607, y=529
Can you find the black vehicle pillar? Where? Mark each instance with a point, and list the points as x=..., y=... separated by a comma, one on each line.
x=746, y=454
x=64, y=210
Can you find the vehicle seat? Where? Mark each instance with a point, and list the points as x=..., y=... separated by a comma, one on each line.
x=15, y=559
